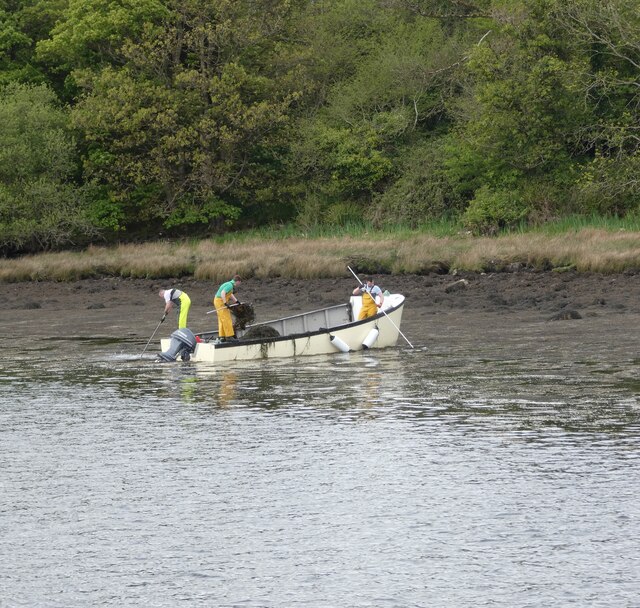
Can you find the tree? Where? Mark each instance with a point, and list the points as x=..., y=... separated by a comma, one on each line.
x=518, y=127
x=607, y=33
x=40, y=205
x=92, y=33
x=22, y=25
x=389, y=101
x=183, y=121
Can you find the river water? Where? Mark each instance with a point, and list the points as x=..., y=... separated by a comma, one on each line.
x=487, y=466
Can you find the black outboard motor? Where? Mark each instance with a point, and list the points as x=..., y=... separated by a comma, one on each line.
x=183, y=343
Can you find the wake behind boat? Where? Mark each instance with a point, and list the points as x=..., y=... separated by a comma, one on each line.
x=324, y=331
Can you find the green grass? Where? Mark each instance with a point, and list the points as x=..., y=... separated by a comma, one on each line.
x=574, y=223
x=443, y=227
x=438, y=228
x=602, y=245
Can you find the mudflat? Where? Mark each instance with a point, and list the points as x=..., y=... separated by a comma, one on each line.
x=436, y=304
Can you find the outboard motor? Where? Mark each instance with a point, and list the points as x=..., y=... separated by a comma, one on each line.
x=183, y=343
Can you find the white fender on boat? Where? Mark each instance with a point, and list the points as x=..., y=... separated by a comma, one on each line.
x=372, y=336
x=341, y=345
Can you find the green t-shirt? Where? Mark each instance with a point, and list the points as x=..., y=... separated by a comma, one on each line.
x=226, y=287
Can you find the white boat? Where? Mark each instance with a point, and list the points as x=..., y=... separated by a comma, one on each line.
x=323, y=331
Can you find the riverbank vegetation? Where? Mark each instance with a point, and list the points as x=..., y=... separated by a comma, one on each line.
x=294, y=254
x=133, y=121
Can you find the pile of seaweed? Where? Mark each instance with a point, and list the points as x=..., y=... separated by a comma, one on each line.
x=243, y=315
x=261, y=332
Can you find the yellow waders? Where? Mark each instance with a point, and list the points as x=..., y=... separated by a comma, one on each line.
x=369, y=307
x=225, y=324
x=185, y=305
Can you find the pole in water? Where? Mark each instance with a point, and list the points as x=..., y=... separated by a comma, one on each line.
x=385, y=314
x=153, y=334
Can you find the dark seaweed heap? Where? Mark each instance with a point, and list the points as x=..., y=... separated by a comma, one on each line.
x=243, y=315
x=261, y=332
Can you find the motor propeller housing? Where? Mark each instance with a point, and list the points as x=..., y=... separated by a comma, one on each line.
x=183, y=343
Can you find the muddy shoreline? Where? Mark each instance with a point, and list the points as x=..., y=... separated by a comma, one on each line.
x=130, y=307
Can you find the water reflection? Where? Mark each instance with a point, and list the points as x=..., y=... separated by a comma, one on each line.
x=521, y=394
x=228, y=388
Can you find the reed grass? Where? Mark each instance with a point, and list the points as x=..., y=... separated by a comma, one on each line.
x=299, y=255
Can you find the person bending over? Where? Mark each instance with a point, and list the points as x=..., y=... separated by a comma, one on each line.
x=181, y=301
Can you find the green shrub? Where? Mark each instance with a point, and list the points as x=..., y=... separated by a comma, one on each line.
x=421, y=193
x=340, y=214
x=494, y=209
x=610, y=186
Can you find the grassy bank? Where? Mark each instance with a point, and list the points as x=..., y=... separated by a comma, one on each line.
x=295, y=254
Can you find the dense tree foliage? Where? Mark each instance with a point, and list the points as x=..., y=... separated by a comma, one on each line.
x=41, y=207
x=124, y=119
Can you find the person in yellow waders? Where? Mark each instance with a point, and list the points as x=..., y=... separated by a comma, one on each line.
x=369, y=292
x=179, y=299
x=223, y=297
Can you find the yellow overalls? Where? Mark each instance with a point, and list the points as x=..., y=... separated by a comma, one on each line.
x=369, y=306
x=225, y=323
x=184, y=304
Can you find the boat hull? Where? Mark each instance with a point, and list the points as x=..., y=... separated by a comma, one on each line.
x=316, y=340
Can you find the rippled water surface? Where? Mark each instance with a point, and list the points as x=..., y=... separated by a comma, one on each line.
x=499, y=468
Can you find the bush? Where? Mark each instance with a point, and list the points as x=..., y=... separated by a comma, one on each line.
x=421, y=193
x=610, y=186
x=341, y=214
x=494, y=209
x=42, y=215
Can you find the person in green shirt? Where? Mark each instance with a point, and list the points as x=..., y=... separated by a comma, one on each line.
x=223, y=299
